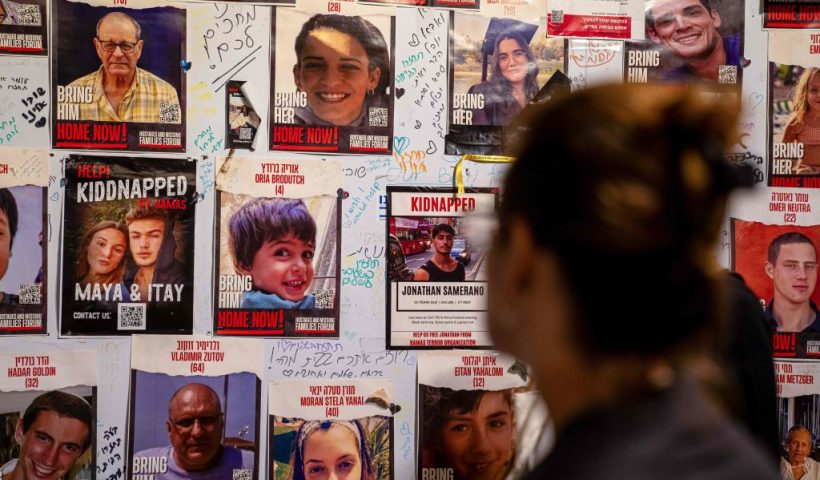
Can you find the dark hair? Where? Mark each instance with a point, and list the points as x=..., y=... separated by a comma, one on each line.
x=627, y=185
x=82, y=257
x=784, y=239
x=530, y=85
x=650, y=19
x=263, y=219
x=64, y=405
x=364, y=32
x=9, y=206
x=443, y=227
x=436, y=404
x=297, y=460
x=141, y=213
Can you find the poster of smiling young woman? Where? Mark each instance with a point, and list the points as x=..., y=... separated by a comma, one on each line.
x=23, y=245
x=194, y=410
x=48, y=399
x=332, y=79
x=689, y=41
x=478, y=418
x=277, y=247
x=117, y=80
x=128, y=245
x=322, y=429
x=23, y=27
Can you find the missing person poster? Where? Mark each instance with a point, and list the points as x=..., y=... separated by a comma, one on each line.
x=439, y=298
x=499, y=63
x=48, y=397
x=478, y=417
x=194, y=408
x=332, y=80
x=332, y=429
x=775, y=251
x=128, y=245
x=794, y=60
x=277, y=247
x=780, y=14
x=798, y=411
x=117, y=79
x=602, y=19
x=23, y=241
x=23, y=27
x=451, y=4
x=688, y=41
x=242, y=121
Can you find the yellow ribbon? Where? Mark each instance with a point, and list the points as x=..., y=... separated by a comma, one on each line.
x=458, y=177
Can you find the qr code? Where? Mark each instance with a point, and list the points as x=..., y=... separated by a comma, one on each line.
x=557, y=16
x=245, y=133
x=131, y=316
x=241, y=474
x=30, y=293
x=727, y=74
x=28, y=15
x=378, y=117
x=169, y=113
x=324, y=298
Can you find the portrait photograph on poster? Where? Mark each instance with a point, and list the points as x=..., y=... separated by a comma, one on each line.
x=117, y=79
x=23, y=27
x=128, y=255
x=243, y=121
x=323, y=429
x=48, y=398
x=277, y=246
x=194, y=408
x=714, y=56
x=498, y=66
x=779, y=264
x=437, y=281
x=798, y=413
x=332, y=99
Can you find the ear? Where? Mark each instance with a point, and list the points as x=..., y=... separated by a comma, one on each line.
x=243, y=269
x=169, y=425
x=138, y=49
x=296, y=78
x=653, y=35
x=715, y=17
x=769, y=268
x=19, y=435
x=373, y=78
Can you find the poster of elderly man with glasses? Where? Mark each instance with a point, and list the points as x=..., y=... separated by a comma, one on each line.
x=118, y=77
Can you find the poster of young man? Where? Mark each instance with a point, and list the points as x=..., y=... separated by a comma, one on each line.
x=243, y=121
x=277, y=247
x=780, y=14
x=775, y=252
x=794, y=119
x=128, y=246
x=117, y=80
x=602, y=19
x=798, y=392
x=48, y=399
x=194, y=409
x=498, y=65
x=331, y=429
x=23, y=27
x=332, y=80
x=23, y=241
x=441, y=301
x=477, y=417
x=689, y=41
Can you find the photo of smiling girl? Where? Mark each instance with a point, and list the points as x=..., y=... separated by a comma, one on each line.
x=334, y=71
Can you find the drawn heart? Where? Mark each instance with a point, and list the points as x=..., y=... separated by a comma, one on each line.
x=399, y=92
x=755, y=98
x=185, y=64
x=745, y=62
x=431, y=147
x=414, y=40
x=41, y=123
x=400, y=144
x=350, y=335
x=287, y=373
x=418, y=124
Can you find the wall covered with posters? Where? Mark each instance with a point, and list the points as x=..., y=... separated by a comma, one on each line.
x=229, y=236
